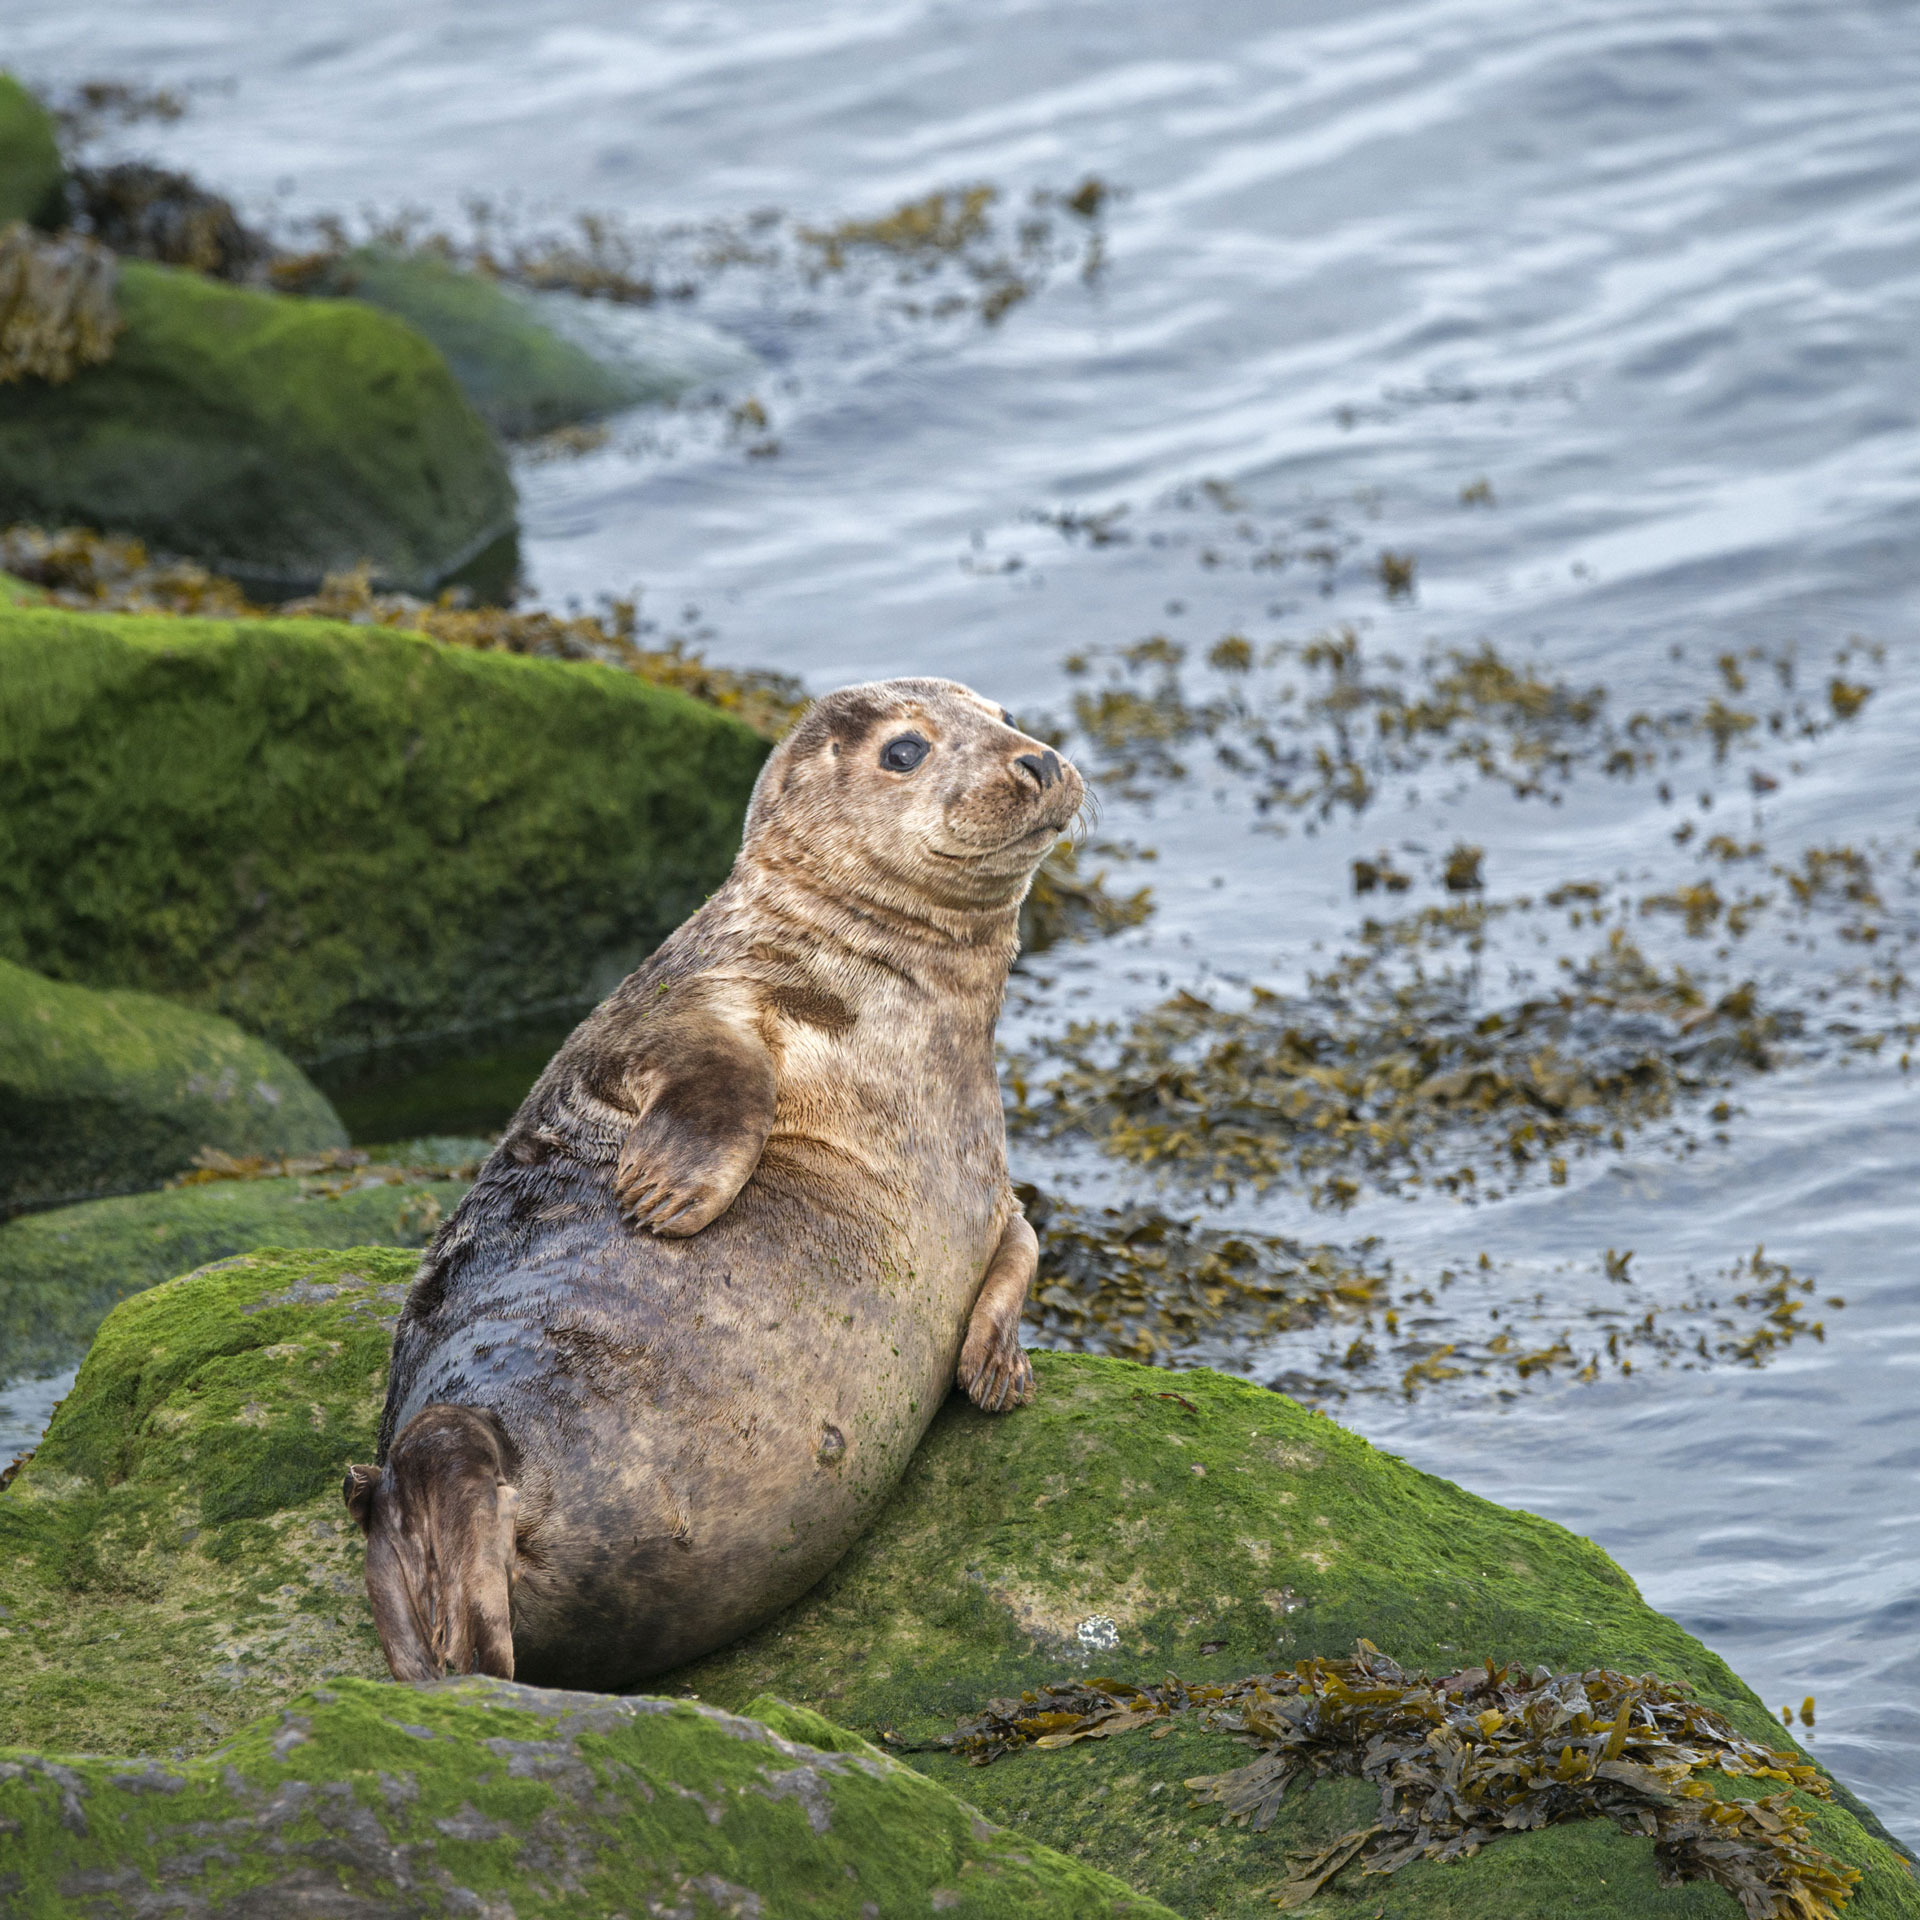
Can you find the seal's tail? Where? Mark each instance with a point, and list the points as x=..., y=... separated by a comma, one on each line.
x=439, y=1521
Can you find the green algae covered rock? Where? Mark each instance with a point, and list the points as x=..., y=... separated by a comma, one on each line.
x=340, y=835
x=521, y=376
x=174, y=1564
x=273, y=438
x=32, y=178
x=478, y=1796
x=107, y=1092
x=62, y=1270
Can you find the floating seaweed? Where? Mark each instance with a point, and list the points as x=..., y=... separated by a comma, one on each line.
x=1463, y=1761
x=57, y=310
x=1065, y=904
x=1139, y=1284
x=1392, y=1076
x=1327, y=723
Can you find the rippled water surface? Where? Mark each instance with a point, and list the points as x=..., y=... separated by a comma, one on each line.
x=1652, y=274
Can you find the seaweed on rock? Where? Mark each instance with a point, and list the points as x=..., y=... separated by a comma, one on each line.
x=57, y=312
x=1467, y=1760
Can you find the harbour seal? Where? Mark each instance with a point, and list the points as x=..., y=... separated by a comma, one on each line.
x=677, y=1344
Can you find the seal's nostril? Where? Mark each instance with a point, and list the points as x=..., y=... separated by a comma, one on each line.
x=1045, y=768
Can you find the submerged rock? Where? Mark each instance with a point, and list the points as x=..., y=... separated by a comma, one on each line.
x=340, y=835
x=109, y=1092
x=174, y=1563
x=276, y=438
x=523, y=377
x=478, y=1796
x=64, y=1269
x=32, y=177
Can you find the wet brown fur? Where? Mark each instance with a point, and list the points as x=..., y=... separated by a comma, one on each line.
x=749, y=1228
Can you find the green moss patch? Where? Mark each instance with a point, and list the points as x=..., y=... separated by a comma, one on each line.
x=103, y=1092
x=63, y=1270
x=338, y=836
x=480, y=1796
x=31, y=173
x=280, y=439
x=521, y=376
x=174, y=1563
x=1134, y=1522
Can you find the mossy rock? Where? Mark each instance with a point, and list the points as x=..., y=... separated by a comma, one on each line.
x=340, y=835
x=63, y=1270
x=275, y=439
x=521, y=376
x=478, y=1796
x=174, y=1563
x=110, y=1092
x=32, y=178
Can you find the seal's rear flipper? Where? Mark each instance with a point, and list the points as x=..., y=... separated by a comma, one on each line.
x=439, y=1521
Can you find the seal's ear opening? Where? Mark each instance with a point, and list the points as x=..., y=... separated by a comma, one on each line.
x=358, y=1494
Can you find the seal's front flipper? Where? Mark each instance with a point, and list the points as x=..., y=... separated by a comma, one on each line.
x=994, y=1372
x=439, y=1521
x=707, y=1113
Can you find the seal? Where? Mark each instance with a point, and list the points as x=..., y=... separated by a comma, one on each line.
x=677, y=1345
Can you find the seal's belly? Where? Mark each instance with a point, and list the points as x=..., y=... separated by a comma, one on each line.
x=705, y=1428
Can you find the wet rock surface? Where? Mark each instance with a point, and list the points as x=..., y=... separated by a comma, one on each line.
x=105, y=1092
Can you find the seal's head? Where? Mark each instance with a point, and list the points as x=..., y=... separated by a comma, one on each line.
x=914, y=792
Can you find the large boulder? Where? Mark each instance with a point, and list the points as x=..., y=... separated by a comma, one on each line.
x=480, y=1797
x=340, y=835
x=174, y=1564
x=523, y=377
x=110, y=1092
x=32, y=178
x=275, y=438
x=64, y=1269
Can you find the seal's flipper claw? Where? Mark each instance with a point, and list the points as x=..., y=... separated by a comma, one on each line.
x=705, y=1115
x=994, y=1371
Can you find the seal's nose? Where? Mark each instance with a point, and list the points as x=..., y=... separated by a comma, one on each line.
x=1045, y=767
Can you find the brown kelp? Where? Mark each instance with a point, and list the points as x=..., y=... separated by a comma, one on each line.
x=1395, y=1075
x=1140, y=1284
x=1463, y=1760
x=57, y=310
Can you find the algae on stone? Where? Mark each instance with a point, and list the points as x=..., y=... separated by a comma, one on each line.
x=338, y=836
x=63, y=1270
x=32, y=177
x=479, y=1796
x=278, y=439
x=106, y=1092
x=522, y=377
x=174, y=1562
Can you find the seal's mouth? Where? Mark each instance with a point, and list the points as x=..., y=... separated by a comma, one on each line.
x=1045, y=831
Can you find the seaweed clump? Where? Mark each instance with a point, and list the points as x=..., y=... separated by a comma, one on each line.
x=1386, y=1077
x=150, y=213
x=1464, y=1760
x=1066, y=904
x=57, y=310
x=1136, y=1283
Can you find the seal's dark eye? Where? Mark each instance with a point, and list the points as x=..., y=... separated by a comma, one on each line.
x=904, y=754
